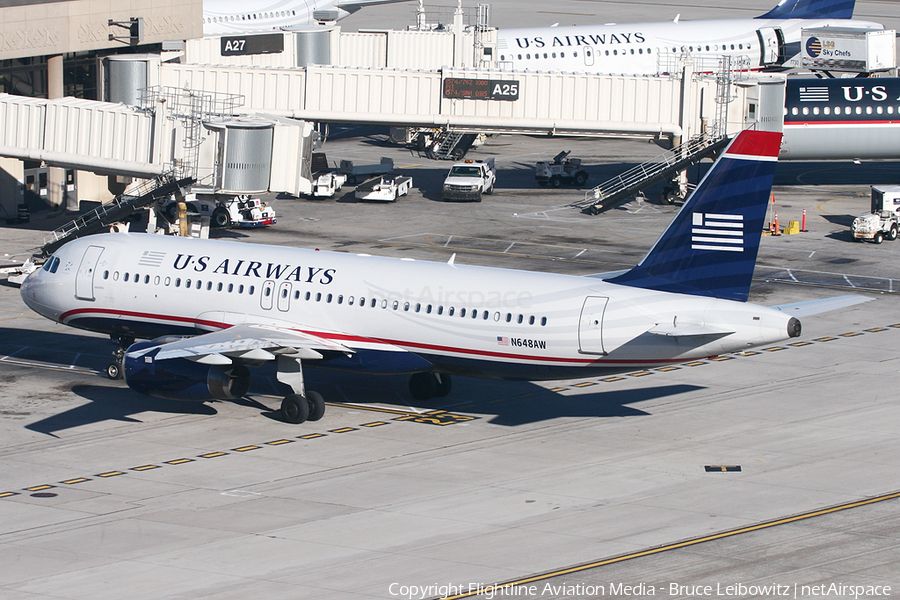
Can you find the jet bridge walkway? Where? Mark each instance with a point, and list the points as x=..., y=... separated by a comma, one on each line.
x=617, y=190
x=115, y=210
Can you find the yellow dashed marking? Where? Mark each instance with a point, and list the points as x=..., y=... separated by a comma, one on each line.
x=8, y=494
x=343, y=430
x=110, y=474
x=145, y=468
x=667, y=369
x=696, y=363
x=246, y=448
x=311, y=436
x=748, y=353
x=76, y=480
x=279, y=442
x=213, y=455
x=825, y=339
x=179, y=461
x=374, y=424
x=773, y=349
x=640, y=374
x=562, y=389
x=876, y=329
x=585, y=384
x=38, y=488
x=851, y=334
x=611, y=379
x=722, y=358
x=798, y=344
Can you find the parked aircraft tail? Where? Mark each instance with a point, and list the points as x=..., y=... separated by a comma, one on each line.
x=811, y=9
x=710, y=247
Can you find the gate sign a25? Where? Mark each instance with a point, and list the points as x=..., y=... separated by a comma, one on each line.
x=481, y=89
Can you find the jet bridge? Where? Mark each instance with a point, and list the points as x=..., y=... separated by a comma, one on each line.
x=476, y=101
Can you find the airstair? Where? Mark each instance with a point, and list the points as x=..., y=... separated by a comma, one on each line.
x=617, y=190
x=118, y=209
x=452, y=145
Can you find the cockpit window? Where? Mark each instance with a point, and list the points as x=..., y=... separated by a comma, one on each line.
x=52, y=265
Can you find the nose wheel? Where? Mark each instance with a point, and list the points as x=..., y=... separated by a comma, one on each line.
x=114, y=369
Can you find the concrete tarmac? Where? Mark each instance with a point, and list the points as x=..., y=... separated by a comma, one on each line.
x=709, y=476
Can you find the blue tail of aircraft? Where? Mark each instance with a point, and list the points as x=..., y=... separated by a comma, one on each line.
x=710, y=247
x=811, y=9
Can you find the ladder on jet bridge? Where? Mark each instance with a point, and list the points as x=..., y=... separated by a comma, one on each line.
x=617, y=190
x=140, y=195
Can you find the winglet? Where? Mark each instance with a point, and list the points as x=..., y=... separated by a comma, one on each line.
x=710, y=247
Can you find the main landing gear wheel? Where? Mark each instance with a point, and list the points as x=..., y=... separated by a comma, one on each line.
x=316, y=406
x=424, y=386
x=294, y=409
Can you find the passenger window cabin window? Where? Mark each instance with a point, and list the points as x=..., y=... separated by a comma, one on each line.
x=126, y=276
x=340, y=299
x=462, y=312
x=328, y=298
x=252, y=289
x=219, y=287
x=208, y=286
x=319, y=297
x=543, y=321
x=450, y=311
x=520, y=319
x=531, y=320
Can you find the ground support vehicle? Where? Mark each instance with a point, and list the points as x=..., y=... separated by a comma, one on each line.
x=883, y=222
x=356, y=173
x=469, y=180
x=386, y=188
x=561, y=170
x=235, y=211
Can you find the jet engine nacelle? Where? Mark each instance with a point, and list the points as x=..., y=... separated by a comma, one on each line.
x=182, y=379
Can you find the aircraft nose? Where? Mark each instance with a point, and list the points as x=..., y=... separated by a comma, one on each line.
x=793, y=328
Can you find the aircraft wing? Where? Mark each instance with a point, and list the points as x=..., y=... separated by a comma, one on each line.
x=814, y=307
x=247, y=341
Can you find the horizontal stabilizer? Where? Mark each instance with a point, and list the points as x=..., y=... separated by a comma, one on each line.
x=815, y=307
x=688, y=330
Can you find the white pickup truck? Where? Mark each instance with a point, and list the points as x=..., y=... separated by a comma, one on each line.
x=884, y=220
x=469, y=180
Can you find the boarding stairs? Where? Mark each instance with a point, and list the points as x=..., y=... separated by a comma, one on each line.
x=116, y=210
x=452, y=145
x=615, y=191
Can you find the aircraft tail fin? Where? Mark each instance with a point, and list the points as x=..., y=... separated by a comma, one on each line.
x=811, y=9
x=710, y=247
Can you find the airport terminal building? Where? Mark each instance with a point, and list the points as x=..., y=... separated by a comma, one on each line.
x=52, y=49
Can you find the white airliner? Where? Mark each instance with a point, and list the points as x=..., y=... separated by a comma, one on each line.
x=227, y=17
x=769, y=41
x=245, y=304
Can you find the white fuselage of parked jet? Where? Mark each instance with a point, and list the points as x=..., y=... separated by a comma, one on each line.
x=652, y=48
x=235, y=17
x=463, y=319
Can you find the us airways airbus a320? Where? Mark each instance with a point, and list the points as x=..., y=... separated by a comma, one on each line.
x=219, y=308
x=770, y=41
